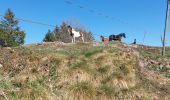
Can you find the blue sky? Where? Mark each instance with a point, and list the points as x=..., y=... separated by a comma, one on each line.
x=134, y=17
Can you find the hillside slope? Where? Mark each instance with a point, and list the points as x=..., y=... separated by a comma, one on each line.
x=58, y=71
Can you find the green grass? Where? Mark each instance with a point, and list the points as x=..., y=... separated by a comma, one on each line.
x=33, y=90
x=105, y=67
x=5, y=85
x=36, y=85
x=82, y=90
x=106, y=90
x=107, y=79
x=157, y=54
x=14, y=95
x=152, y=55
x=34, y=70
x=54, y=64
x=25, y=51
x=124, y=69
x=167, y=52
x=99, y=60
x=80, y=65
x=93, y=51
x=167, y=75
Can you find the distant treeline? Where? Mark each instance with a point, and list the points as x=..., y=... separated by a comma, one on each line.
x=61, y=34
x=12, y=35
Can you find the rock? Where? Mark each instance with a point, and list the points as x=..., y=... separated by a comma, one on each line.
x=1, y=66
x=44, y=59
x=12, y=51
x=156, y=98
x=168, y=65
x=8, y=48
x=154, y=62
x=136, y=53
x=135, y=46
x=39, y=44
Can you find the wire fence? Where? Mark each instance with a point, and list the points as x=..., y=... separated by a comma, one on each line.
x=39, y=23
x=109, y=17
x=93, y=11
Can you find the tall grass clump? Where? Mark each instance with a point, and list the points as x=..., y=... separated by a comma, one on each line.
x=99, y=60
x=80, y=65
x=124, y=69
x=106, y=92
x=5, y=85
x=103, y=70
x=82, y=91
x=53, y=68
x=93, y=51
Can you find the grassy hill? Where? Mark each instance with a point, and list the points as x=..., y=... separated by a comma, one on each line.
x=58, y=71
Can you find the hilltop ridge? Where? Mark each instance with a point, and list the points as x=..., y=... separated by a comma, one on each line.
x=84, y=71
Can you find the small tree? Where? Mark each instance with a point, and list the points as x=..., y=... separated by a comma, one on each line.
x=64, y=35
x=10, y=34
x=89, y=36
x=57, y=33
x=9, y=20
x=49, y=37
